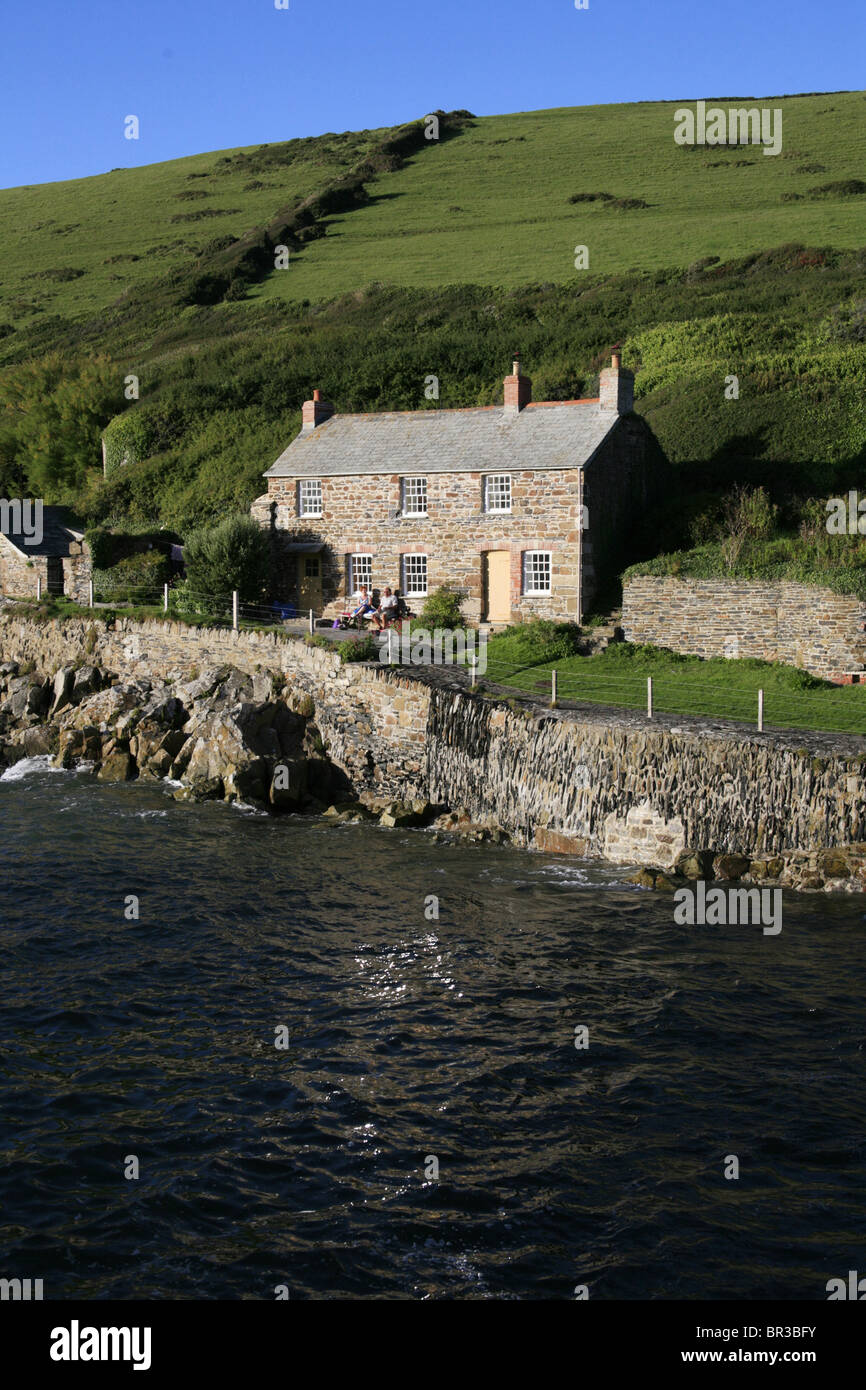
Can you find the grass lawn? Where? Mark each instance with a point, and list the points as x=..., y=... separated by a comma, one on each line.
x=688, y=685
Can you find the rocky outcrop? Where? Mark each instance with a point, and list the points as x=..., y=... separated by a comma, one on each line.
x=222, y=735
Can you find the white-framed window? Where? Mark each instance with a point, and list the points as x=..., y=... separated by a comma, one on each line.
x=537, y=570
x=310, y=497
x=497, y=492
x=414, y=496
x=360, y=572
x=415, y=576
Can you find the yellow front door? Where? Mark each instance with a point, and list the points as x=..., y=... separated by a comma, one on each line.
x=310, y=583
x=498, y=586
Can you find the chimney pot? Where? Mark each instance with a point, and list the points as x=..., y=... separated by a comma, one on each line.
x=316, y=411
x=614, y=360
x=518, y=389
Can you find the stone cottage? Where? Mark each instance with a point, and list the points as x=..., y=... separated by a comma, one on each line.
x=523, y=508
x=56, y=554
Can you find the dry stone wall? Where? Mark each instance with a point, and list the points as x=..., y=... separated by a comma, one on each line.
x=801, y=625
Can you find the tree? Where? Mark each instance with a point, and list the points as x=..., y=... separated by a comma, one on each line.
x=233, y=555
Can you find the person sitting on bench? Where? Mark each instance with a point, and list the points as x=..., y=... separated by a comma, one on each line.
x=365, y=607
x=400, y=611
x=387, y=610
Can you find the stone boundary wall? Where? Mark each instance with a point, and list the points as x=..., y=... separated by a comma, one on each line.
x=813, y=628
x=584, y=782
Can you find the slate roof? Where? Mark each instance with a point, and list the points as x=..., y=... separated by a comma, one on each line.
x=56, y=536
x=559, y=435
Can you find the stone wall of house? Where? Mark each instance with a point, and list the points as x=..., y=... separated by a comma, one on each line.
x=798, y=624
x=615, y=785
x=18, y=575
x=357, y=518
x=620, y=484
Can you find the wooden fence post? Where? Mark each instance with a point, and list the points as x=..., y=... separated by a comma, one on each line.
x=553, y=689
x=235, y=610
x=760, y=711
x=649, y=697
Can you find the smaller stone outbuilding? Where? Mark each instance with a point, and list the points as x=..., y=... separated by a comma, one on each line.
x=42, y=545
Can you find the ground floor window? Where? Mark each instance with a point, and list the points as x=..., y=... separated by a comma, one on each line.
x=537, y=570
x=360, y=572
x=415, y=575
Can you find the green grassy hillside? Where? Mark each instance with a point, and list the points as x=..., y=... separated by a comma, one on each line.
x=73, y=248
x=490, y=207
x=493, y=207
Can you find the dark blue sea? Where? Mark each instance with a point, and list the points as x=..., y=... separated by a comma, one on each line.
x=410, y=1039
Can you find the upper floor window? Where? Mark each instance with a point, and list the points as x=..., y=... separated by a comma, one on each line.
x=310, y=497
x=537, y=570
x=497, y=492
x=414, y=496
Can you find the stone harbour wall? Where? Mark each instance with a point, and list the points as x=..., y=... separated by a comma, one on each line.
x=639, y=791
x=789, y=807
x=798, y=624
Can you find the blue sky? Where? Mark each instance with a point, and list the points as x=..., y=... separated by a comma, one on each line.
x=211, y=74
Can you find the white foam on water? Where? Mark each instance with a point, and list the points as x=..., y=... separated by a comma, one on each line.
x=246, y=810
x=28, y=767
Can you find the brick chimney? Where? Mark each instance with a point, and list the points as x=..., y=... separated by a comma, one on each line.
x=316, y=411
x=518, y=390
x=616, y=387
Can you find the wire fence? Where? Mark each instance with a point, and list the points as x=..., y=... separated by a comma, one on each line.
x=763, y=700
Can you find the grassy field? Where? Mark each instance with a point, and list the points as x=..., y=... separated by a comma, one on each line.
x=492, y=207
x=72, y=248
x=688, y=686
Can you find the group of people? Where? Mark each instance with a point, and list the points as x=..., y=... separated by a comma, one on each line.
x=389, y=611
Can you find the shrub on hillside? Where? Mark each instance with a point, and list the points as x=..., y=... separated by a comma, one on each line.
x=534, y=643
x=137, y=579
x=235, y=555
x=442, y=609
